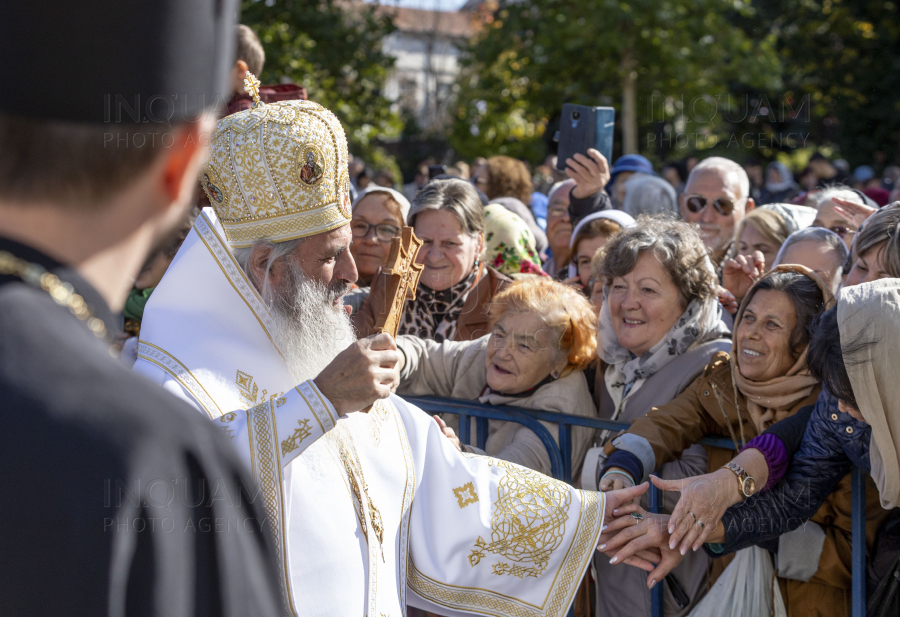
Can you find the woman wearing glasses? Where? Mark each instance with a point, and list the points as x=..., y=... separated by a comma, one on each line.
x=378, y=215
x=831, y=218
x=456, y=287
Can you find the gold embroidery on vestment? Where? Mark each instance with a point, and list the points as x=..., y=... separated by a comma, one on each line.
x=293, y=442
x=529, y=521
x=465, y=495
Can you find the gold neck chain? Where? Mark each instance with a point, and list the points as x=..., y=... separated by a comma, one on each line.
x=61, y=292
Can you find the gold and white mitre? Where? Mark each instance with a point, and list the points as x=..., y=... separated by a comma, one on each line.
x=278, y=172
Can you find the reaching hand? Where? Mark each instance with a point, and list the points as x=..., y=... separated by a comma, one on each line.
x=739, y=274
x=617, y=499
x=448, y=432
x=643, y=543
x=614, y=480
x=854, y=213
x=361, y=374
x=703, y=502
x=727, y=300
x=591, y=173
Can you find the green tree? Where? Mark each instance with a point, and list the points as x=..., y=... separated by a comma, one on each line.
x=657, y=61
x=335, y=50
x=843, y=58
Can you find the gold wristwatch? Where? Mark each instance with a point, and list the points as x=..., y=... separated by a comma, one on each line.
x=746, y=483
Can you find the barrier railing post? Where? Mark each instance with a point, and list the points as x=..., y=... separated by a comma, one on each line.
x=565, y=448
x=464, y=429
x=858, y=558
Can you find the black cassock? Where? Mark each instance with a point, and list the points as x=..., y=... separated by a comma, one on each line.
x=115, y=497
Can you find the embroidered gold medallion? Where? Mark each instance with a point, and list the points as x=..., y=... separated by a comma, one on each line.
x=465, y=495
x=528, y=524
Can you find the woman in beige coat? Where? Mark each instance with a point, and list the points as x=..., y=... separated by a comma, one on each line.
x=542, y=337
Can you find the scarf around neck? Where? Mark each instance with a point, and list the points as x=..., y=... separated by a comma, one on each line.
x=700, y=321
x=434, y=314
x=771, y=401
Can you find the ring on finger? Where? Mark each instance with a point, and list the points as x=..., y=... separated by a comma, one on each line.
x=700, y=523
x=694, y=515
x=637, y=516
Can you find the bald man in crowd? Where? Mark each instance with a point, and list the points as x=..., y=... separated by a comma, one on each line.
x=716, y=198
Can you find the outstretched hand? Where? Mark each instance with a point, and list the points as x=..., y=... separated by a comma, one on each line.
x=643, y=543
x=368, y=370
x=698, y=512
x=448, y=432
x=739, y=274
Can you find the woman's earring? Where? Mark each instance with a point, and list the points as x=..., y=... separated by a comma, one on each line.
x=555, y=374
x=477, y=262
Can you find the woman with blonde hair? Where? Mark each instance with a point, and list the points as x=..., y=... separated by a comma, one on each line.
x=543, y=335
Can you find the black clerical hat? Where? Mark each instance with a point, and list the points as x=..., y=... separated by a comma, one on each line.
x=115, y=60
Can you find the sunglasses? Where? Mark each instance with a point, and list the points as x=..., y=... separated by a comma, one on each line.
x=696, y=203
x=841, y=230
x=384, y=232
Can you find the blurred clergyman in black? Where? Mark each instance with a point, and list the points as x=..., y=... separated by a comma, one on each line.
x=115, y=497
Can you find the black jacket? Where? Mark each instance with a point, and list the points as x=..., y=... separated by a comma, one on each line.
x=116, y=498
x=831, y=444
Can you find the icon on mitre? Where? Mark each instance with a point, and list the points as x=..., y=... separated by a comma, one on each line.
x=311, y=170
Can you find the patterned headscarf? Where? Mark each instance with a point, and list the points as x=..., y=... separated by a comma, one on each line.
x=434, y=314
x=509, y=243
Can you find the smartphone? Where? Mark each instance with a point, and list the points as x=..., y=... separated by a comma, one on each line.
x=582, y=127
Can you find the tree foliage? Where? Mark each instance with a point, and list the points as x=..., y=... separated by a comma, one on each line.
x=843, y=57
x=535, y=55
x=334, y=49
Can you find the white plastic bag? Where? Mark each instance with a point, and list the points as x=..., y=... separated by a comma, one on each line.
x=745, y=589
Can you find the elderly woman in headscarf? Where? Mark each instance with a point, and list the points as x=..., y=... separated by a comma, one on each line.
x=764, y=380
x=509, y=244
x=660, y=325
x=378, y=215
x=589, y=236
x=456, y=287
x=779, y=186
x=543, y=334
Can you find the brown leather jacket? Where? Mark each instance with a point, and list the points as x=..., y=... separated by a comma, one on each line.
x=473, y=320
x=673, y=427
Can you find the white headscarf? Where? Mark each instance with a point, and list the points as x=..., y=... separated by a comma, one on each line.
x=795, y=217
x=401, y=200
x=623, y=219
x=870, y=313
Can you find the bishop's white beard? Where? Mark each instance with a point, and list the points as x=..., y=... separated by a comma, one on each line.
x=311, y=330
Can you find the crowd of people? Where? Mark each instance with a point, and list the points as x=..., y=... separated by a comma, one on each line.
x=707, y=298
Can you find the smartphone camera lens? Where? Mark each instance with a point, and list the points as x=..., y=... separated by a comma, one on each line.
x=576, y=115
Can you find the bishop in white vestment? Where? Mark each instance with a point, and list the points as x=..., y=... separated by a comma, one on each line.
x=370, y=511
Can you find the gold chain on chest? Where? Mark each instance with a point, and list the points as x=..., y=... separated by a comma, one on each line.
x=62, y=293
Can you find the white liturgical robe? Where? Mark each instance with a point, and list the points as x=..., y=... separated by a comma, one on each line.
x=372, y=510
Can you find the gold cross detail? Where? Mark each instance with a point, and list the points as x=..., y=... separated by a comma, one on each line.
x=251, y=86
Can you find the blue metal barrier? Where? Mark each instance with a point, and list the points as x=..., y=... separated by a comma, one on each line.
x=561, y=468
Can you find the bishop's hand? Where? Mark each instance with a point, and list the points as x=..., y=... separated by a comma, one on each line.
x=363, y=373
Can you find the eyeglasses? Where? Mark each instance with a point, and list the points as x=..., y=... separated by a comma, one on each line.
x=723, y=205
x=840, y=230
x=557, y=211
x=383, y=231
